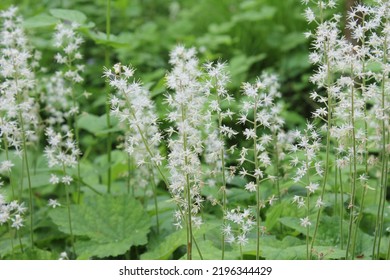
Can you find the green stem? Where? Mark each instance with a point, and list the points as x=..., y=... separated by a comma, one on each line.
x=353, y=183
x=341, y=211
x=69, y=213
x=25, y=155
x=108, y=117
x=308, y=251
x=11, y=238
x=384, y=169
x=20, y=242
x=224, y=198
x=155, y=199
x=360, y=216
x=327, y=159
x=197, y=248
x=276, y=164
x=7, y=157
x=187, y=191
x=77, y=136
x=129, y=173
x=256, y=160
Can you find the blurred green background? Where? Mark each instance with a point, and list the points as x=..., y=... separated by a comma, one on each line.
x=251, y=35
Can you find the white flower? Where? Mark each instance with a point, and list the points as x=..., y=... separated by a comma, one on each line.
x=53, y=203
x=17, y=222
x=54, y=180
x=312, y=187
x=242, y=239
x=251, y=187
x=249, y=133
x=305, y=222
x=319, y=203
x=309, y=14
x=66, y=179
x=63, y=256
x=6, y=166
x=272, y=199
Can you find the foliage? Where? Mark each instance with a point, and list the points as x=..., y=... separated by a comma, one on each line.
x=222, y=132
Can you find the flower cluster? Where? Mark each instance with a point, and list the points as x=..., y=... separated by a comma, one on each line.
x=11, y=213
x=19, y=111
x=216, y=153
x=260, y=113
x=58, y=93
x=238, y=226
x=67, y=39
x=185, y=145
x=132, y=106
x=61, y=152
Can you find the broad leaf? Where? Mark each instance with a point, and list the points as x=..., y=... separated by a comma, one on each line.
x=41, y=20
x=112, y=224
x=70, y=15
x=167, y=247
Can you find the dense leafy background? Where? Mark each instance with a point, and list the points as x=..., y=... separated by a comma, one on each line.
x=252, y=36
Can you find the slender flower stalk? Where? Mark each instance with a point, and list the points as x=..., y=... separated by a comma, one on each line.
x=217, y=79
x=325, y=55
x=186, y=103
x=62, y=152
x=108, y=115
x=18, y=108
x=261, y=96
x=132, y=105
x=67, y=39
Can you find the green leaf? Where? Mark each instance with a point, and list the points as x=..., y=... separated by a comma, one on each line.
x=41, y=20
x=70, y=15
x=112, y=225
x=167, y=247
x=38, y=180
x=32, y=254
x=266, y=13
x=97, y=125
x=300, y=253
x=294, y=223
x=6, y=245
x=239, y=66
x=210, y=252
x=273, y=215
x=120, y=41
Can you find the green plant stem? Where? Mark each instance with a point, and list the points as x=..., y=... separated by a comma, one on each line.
x=108, y=117
x=11, y=238
x=155, y=199
x=308, y=251
x=77, y=136
x=197, y=248
x=384, y=169
x=69, y=213
x=7, y=158
x=327, y=157
x=25, y=155
x=20, y=242
x=256, y=160
x=341, y=211
x=362, y=200
x=224, y=198
x=276, y=164
x=188, y=192
x=129, y=173
x=353, y=181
